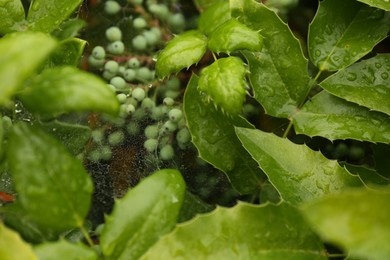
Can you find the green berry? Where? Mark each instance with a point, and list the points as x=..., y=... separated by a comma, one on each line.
x=121, y=70
x=118, y=82
x=151, y=145
x=121, y=98
x=139, y=43
x=168, y=101
x=175, y=115
x=111, y=66
x=138, y=2
x=151, y=38
x=159, y=10
x=98, y=52
x=108, y=75
x=151, y=131
x=145, y=74
x=147, y=104
x=130, y=74
x=157, y=113
x=139, y=23
x=173, y=84
x=113, y=34
x=112, y=87
x=97, y=135
x=172, y=93
x=169, y=126
x=133, y=63
x=356, y=152
x=157, y=32
x=94, y=155
x=183, y=136
x=133, y=128
x=116, y=138
x=116, y=47
x=177, y=22
x=138, y=94
x=167, y=152
x=97, y=63
x=132, y=101
x=105, y=153
x=139, y=114
x=111, y=7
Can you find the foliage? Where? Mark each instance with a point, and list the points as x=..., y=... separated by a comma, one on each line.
x=300, y=127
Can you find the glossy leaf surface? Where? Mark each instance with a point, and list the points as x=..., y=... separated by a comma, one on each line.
x=233, y=36
x=213, y=135
x=181, y=52
x=66, y=89
x=334, y=118
x=383, y=4
x=224, y=83
x=40, y=166
x=13, y=247
x=242, y=232
x=11, y=13
x=204, y=4
x=14, y=54
x=299, y=175
x=47, y=15
x=342, y=32
x=68, y=52
x=279, y=73
x=357, y=220
x=145, y=213
x=213, y=16
x=366, y=83
x=69, y=29
x=369, y=176
x=64, y=250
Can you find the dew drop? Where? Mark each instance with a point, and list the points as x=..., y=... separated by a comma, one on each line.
x=351, y=76
x=336, y=58
x=317, y=53
x=385, y=75
x=378, y=65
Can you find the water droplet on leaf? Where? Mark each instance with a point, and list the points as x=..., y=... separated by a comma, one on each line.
x=385, y=75
x=351, y=76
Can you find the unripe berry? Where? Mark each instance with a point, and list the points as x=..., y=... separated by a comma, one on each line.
x=169, y=126
x=151, y=145
x=159, y=10
x=151, y=131
x=116, y=138
x=113, y=34
x=183, y=136
x=148, y=104
x=145, y=74
x=133, y=63
x=168, y=101
x=139, y=43
x=139, y=23
x=130, y=74
x=105, y=153
x=175, y=115
x=97, y=63
x=111, y=66
x=157, y=113
x=116, y=47
x=98, y=52
x=177, y=22
x=108, y=75
x=118, y=82
x=151, y=38
x=167, y=152
x=112, y=7
x=173, y=84
x=133, y=128
x=121, y=98
x=138, y=94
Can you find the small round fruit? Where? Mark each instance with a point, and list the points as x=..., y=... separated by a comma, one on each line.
x=139, y=43
x=151, y=38
x=175, y=115
x=173, y=84
x=108, y=75
x=116, y=138
x=145, y=74
x=121, y=98
x=167, y=153
x=116, y=47
x=148, y=104
x=138, y=94
x=133, y=63
x=139, y=23
x=118, y=82
x=113, y=34
x=133, y=128
x=151, y=145
x=97, y=135
x=183, y=136
x=111, y=7
x=160, y=10
x=169, y=126
x=97, y=63
x=151, y=131
x=105, y=153
x=98, y=52
x=168, y=101
x=157, y=113
x=111, y=66
x=177, y=22
x=130, y=74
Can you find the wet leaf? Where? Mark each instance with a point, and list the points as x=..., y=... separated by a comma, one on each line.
x=366, y=83
x=181, y=52
x=13, y=247
x=383, y=4
x=64, y=250
x=67, y=89
x=369, y=176
x=145, y=213
x=14, y=53
x=297, y=172
x=213, y=16
x=357, y=220
x=342, y=32
x=204, y=4
x=224, y=83
x=69, y=29
x=233, y=36
x=278, y=74
x=11, y=13
x=213, y=135
x=334, y=118
x=47, y=15
x=242, y=232
x=68, y=52
x=40, y=165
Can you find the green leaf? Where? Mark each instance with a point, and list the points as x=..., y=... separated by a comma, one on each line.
x=192, y=206
x=13, y=247
x=334, y=118
x=64, y=250
x=47, y=15
x=11, y=12
x=297, y=172
x=72, y=136
x=67, y=89
x=369, y=176
x=357, y=220
x=181, y=52
x=366, y=83
x=342, y=32
x=69, y=29
x=213, y=16
x=204, y=4
x=68, y=52
x=278, y=74
x=233, y=36
x=213, y=135
x=20, y=62
x=52, y=186
x=224, y=83
x=383, y=4
x=242, y=232
x=145, y=213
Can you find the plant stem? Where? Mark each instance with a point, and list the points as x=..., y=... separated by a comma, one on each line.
x=86, y=235
x=288, y=129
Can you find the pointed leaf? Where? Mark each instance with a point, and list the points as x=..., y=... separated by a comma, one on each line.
x=297, y=172
x=242, y=232
x=11, y=12
x=40, y=166
x=369, y=176
x=68, y=52
x=366, y=83
x=21, y=62
x=47, y=15
x=67, y=89
x=13, y=247
x=344, y=31
x=213, y=135
x=204, y=4
x=334, y=118
x=279, y=74
x=383, y=4
x=357, y=220
x=64, y=250
x=213, y=16
x=181, y=52
x=145, y=213
x=224, y=83
x=69, y=29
